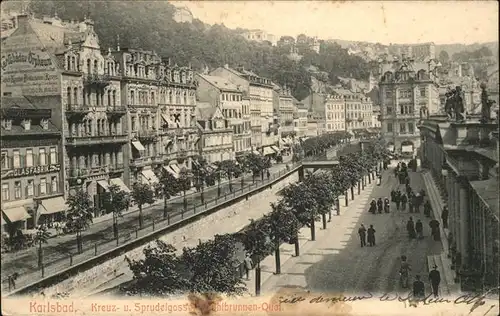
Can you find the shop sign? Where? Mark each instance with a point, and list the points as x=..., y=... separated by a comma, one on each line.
x=30, y=171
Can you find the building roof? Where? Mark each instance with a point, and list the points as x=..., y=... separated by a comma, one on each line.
x=204, y=111
x=220, y=83
x=488, y=191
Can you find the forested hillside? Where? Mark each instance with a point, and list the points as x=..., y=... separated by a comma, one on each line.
x=151, y=27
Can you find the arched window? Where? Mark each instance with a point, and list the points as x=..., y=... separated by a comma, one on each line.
x=95, y=66
x=89, y=70
x=132, y=97
x=185, y=97
x=75, y=95
x=109, y=97
x=68, y=95
x=170, y=97
x=114, y=97
x=73, y=63
x=68, y=63
x=152, y=98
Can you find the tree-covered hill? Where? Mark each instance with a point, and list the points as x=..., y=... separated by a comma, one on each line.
x=149, y=25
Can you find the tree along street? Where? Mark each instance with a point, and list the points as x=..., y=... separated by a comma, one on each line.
x=336, y=263
x=61, y=246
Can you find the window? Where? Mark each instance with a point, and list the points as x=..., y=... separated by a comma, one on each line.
x=17, y=159
x=5, y=192
x=42, y=157
x=389, y=127
x=389, y=110
x=5, y=160
x=44, y=123
x=422, y=92
x=54, y=184
x=17, y=189
x=411, y=130
x=388, y=94
x=8, y=125
x=30, y=189
x=27, y=125
x=29, y=157
x=402, y=128
x=43, y=186
x=53, y=155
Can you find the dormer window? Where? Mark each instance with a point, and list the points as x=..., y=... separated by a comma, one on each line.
x=44, y=123
x=26, y=124
x=7, y=124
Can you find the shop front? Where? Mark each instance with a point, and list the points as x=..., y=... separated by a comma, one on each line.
x=51, y=211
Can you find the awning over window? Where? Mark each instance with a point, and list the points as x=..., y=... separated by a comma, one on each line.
x=167, y=120
x=150, y=176
x=104, y=184
x=256, y=152
x=119, y=182
x=176, y=168
x=138, y=146
x=53, y=205
x=16, y=214
x=268, y=151
x=407, y=149
x=171, y=171
x=276, y=149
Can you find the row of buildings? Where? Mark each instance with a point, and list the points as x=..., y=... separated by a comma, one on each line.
x=75, y=116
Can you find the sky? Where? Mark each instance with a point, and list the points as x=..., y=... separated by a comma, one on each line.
x=441, y=22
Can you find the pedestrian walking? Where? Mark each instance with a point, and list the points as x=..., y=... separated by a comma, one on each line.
x=418, y=288
x=444, y=216
x=419, y=228
x=427, y=209
x=362, y=235
x=380, y=205
x=410, y=204
x=435, y=233
x=404, y=200
x=371, y=236
x=393, y=195
x=248, y=265
x=373, y=207
x=387, y=205
x=398, y=199
x=416, y=203
x=435, y=279
x=410, y=228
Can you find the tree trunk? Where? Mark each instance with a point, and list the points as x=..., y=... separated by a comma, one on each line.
x=218, y=188
x=242, y=181
x=230, y=185
x=277, y=258
x=79, y=245
x=140, y=216
x=369, y=178
x=359, y=187
x=346, y=198
x=115, y=227
x=297, y=246
x=313, y=229
x=257, y=279
x=184, y=200
x=40, y=255
x=324, y=220
x=352, y=192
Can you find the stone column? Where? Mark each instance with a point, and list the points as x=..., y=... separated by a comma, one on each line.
x=456, y=211
x=464, y=224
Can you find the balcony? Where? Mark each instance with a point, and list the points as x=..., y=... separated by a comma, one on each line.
x=96, y=140
x=77, y=110
x=147, y=135
x=75, y=173
x=407, y=116
x=95, y=80
x=141, y=161
x=114, y=112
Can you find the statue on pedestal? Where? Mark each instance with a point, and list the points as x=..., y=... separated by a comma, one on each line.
x=486, y=105
x=448, y=107
x=459, y=108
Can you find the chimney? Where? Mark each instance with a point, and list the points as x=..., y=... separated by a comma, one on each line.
x=118, y=43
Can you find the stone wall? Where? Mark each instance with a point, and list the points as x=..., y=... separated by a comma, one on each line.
x=230, y=219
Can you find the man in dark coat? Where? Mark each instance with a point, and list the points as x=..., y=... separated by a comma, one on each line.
x=427, y=209
x=404, y=200
x=397, y=199
x=411, y=200
x=362, y=235
x=444, y=216
x=435, y=279
x=393, y=195
x=419, y=228
x=434, y=224
x=387, y=205
x=380, y=205
x=410, y=228
x=418, y=288
x=371, y=236
x=373, y=207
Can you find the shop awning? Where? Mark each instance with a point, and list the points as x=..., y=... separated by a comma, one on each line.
x=256, y=152
x=171, y=171
x=176, y=168
x=407, y=149
x=16, y=214
x=167, y=120
x=138, y=146
x=276, y=149
x=150, y=176
x=104, y=184
x=119, y=182
x=53, y=205
x=268, y=151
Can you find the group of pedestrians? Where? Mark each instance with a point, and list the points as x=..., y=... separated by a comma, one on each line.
x=434, y=280
x=364, y=233
x=380, y=206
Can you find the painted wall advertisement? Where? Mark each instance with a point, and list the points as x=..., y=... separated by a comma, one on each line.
x=27, y=67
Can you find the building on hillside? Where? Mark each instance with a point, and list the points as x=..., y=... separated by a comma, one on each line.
x=32, y=186
x=467, y=177
x=260, y=36
x=183, y=14
x=408, y=93
x=300, y=124
x=358, y=109
x=161, y=102
x=81, y=87
x=315, y=124
x=315, y=45
x=376, y=123
x=421, y=52
x=283, y=106
x=265, y=132
x=215, y=132
x=335, y=113
x=230, y=97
